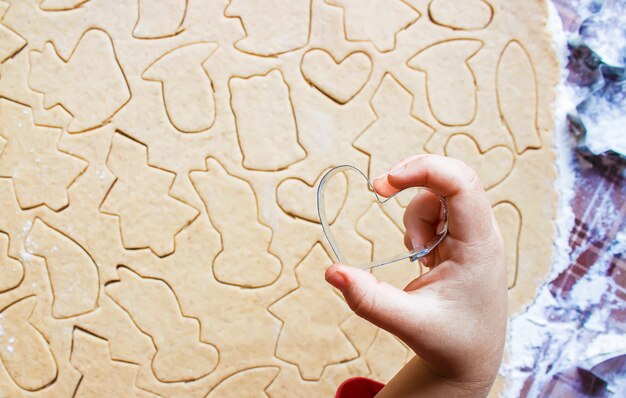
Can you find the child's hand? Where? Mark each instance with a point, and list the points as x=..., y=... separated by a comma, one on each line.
x=454, y=316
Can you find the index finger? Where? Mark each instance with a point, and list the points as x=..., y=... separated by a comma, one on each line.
x=469, y=210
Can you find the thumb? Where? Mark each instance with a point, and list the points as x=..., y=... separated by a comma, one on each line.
x=377, y=302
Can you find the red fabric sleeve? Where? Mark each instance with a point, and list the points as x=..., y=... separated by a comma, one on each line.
x=359, y=387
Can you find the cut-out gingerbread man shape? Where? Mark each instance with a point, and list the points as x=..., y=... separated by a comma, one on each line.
x=461, y=14
x=266, y=123
x=101, y=376
x=90, y=85
x=73, y=274
x=149, y=216
x=517, y=96
x=40, y=172
x=450, y=82
x=24, y=350
x=232, y=207
x=271, y=27
x=160, y=18
x=154, y=308
x=376, y=21
x=322, y=342
x=187, y=88
x=396, y=133
x=11, y=270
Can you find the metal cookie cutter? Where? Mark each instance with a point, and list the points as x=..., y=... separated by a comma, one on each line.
x=413, y=255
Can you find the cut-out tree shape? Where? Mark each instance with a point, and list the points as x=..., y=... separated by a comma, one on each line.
x=149, y=216
x=101, y=376
x=40, y=172
x=321, y=342
x=396, y=133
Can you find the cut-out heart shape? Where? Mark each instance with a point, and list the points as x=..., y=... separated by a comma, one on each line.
x=492, y=166
x=339, y=80
x=414, y=254
x=295, y=197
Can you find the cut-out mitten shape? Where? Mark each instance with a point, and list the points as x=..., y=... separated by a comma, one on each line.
x=340, y=80
x=271, y=27
x=451, y=85
x=376, y=21
x=159, y=18
x=25, y=352
x=90, y=85
x=266, y=123
x=322, y=342
x=11, y=270
x=187, y=88
x=154, y=308
x=396, y=133
x=41, y=173
x=461, y=14
x=102, y=376
x=232, y=207
x=516, y=86
x=149, y=216
x=73, y=274
x=492, y=166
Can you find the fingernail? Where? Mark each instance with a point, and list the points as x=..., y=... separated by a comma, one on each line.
x=397, y=169
x=440, y=226
x=380, y=177
x=337, y=279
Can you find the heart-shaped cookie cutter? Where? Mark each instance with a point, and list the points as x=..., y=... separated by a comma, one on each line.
x=413, y=255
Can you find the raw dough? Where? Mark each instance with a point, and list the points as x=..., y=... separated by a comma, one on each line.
x=158, y=162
